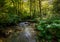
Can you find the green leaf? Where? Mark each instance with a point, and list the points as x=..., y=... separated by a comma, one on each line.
x=40, y=28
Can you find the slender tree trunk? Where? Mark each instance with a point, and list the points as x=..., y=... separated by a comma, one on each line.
x=34, y=9
x=20, y=5
x=31, y=8
x=40, y=9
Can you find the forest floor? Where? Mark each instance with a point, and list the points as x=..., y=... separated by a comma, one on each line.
x=15, y=32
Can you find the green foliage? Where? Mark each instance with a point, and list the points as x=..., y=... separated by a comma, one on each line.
x=2, y=3
x=48, y=28
x=56, y=5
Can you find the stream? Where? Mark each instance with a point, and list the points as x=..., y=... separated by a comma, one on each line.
x=24, y=33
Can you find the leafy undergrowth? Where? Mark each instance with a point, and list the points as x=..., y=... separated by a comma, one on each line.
x=48, y=30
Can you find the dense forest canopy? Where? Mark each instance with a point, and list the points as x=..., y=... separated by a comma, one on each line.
x=18, y=10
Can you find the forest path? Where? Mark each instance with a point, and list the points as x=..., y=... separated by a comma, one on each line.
x=27, y=33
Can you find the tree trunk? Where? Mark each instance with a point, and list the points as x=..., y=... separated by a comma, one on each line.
x=40, y=9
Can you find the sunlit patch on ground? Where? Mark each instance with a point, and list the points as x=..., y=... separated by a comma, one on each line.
x=1, y=40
